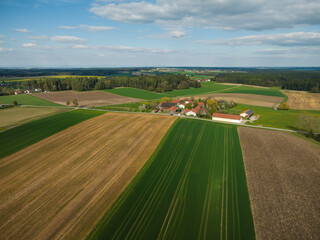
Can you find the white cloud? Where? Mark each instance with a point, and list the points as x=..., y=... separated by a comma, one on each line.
x=67, y=39
x=41, y=37
x=28, y=45
x=1, y=37
x=88, y=28
x=219, y=14
x=271, y=51
x=171, y=34
x=286, y=39
x=5, y=49
x=67, y=27
x=23, y=30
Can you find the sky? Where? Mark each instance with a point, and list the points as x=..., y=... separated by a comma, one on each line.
x=155, y=33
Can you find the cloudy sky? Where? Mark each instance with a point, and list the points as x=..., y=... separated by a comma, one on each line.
x=209, y=33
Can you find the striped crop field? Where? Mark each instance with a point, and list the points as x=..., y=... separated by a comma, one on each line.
x=193, y=187
x=17, y=138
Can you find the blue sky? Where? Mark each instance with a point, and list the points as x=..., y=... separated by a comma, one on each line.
x=120, y=33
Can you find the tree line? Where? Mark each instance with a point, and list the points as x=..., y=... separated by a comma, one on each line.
x=160, y=83
x=291, y=80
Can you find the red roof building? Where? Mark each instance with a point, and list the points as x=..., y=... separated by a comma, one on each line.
x=227, y=117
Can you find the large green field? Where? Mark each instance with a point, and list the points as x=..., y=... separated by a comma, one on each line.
x=193, y=187
x=26, y=99
x=136, y=93
x=275, y=118
x=207, y=87
x=255, y=90
x=17, y=138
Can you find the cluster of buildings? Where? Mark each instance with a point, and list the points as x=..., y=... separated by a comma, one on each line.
x=17, y=92
x=178, y=107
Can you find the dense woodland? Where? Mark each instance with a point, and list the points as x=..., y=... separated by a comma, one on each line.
x=291, y=80
x=161, y=83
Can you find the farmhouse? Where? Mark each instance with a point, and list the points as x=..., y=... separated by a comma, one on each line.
x=226, y=118
x=18, y=92
x=182, y=105
x=191, y=112
x=247, y=113
x=172, y=110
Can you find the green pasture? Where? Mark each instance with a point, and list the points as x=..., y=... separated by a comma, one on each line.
x=254, y=90
x=193, y=187
x=207, y=87
x=136, y=93
x=128, y=107
x=26, y=99
x=15, y=139
x=286, y=119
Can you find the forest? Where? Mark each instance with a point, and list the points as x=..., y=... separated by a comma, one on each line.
x=161, y=83
x=291, y=80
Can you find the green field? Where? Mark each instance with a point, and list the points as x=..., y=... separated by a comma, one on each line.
x=136, y=93
x=193, y=187
x=17, y=138
x=276, y=118
x=26, y=99
x=128, y=107
x=207, y=87
x=255, y=90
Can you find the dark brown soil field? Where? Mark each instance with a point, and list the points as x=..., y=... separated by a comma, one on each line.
x=250, y=99
x=60, y=187
x=86, y=99
x=283, y=173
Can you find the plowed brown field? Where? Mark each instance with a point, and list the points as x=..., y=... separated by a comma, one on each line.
x=87, y=98
x=60, y=187
x=283, y=173
x=303, y=100
x=250, y=99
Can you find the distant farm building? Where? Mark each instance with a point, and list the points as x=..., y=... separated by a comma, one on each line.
x=191, y=112
x=226, y=118
x=18, y=92
x=172, y=110
x=247, y=113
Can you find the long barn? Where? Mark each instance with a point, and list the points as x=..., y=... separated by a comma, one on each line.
x=226, y=117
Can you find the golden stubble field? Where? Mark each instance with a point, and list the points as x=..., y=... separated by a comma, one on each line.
x=303, y=100
x=60, y=187
x=283, y=173
x=250, y=99
x=86, y=98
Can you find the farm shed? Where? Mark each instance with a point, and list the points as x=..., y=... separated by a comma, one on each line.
x=247, y=113
x=226, y=118
x=191, y=112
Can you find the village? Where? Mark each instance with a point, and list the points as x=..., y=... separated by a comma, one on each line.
x=209, y=108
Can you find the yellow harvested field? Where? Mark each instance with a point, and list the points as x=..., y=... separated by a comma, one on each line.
x=250, y=99
x=10, y=117
x=60, y=187
x=303, y=100
x=283, y=173
x=86, y=98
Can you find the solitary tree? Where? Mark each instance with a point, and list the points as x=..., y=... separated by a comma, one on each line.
x=75, y=102
x=212, y=104
x=68, y=102
x=283, y=106
x=15, y=103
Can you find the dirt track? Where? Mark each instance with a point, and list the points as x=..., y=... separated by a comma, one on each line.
x=250, y=99
x=86, y=99
x=303, y=100
x=283, y=173
x=60, y=187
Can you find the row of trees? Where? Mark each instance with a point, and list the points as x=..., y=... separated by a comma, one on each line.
x=291, y=80
x=161, y=83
